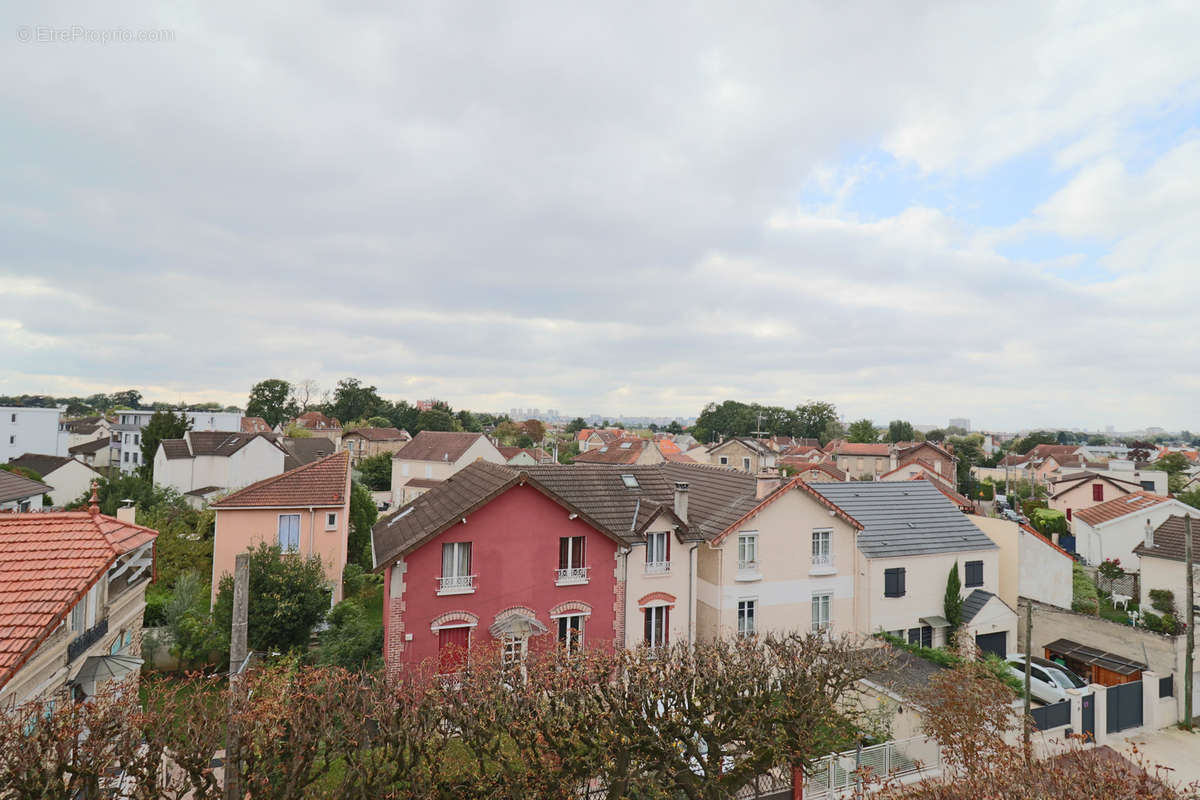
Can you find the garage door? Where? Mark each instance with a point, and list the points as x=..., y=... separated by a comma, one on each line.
x=993, y=643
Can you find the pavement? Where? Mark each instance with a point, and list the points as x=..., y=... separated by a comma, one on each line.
x=1169, y=747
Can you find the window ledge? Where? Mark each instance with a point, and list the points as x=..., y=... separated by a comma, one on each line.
x=748, y=575
x=822, y=570
x=459, y=590
x=570, y=582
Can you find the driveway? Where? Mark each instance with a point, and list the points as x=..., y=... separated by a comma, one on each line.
x=1170, y=747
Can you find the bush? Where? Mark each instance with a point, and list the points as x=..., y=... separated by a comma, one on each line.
x=1111, y=568
x=1085, y=598
x=944, y=658
x=1048, y=521
x=353, y=640
x=1163, y=601
x=987, y=491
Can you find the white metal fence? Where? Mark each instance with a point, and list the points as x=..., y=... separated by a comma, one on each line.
x=840, y=771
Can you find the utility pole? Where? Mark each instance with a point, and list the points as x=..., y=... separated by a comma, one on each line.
x=1028, y=667
x=237, y=663
x=1189, y=599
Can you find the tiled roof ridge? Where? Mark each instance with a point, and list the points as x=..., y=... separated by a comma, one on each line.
x=276, y=478
x=1099, y=511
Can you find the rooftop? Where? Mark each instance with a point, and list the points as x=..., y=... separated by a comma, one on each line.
x=1168, y=540
x=18, y=487
x=1119, y=507
x=437, y=446
x=321, y=483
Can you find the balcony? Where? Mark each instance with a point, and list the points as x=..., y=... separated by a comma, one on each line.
x=748, y=571
x=456, y=584
x=83, y=641
x=822, y=564
x=658, y=567
x=572, y=576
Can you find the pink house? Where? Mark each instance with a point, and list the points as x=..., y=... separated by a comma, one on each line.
x=305, y=510
x=494, y=556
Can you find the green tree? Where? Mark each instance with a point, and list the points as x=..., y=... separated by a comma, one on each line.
x=162, y=425
x=1176, y=466
x=354, y=640
x=289, y=597
x=434, y=419
x=376, y=472
x=935, y=435
x=194, y=637
x=130, y=398
x=353, y=400
x=673, y=428
x=1191, y=497
x=952, y=604
x=363, y=514
x=1027, y=443
x=576, y=425
x=469, y=422
x=862, y=430
x=272, y=399
x=901, y=431
x=402, y=414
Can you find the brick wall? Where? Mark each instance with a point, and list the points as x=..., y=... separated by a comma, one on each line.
x=394, y=621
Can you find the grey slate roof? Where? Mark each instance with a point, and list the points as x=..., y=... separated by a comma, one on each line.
x=18, y=487
x=904, y=518
x=42, y=464
x=94, y=446
x=974, y=603
x=906, y=674
x=717, y=498
x=301, y=451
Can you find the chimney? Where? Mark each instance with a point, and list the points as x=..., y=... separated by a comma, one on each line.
x=1149, y=535
x=767, y=482
x=127, y=512
x=94, y=503
x=891, y=457
x=681, y=501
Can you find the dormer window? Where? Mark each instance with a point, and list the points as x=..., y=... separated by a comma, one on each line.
x=630, y=481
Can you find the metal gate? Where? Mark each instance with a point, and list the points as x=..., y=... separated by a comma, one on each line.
x=1124, y=706
x=1089, y=716
x=1052, y=716
x=996, y=643
x=1067, y=542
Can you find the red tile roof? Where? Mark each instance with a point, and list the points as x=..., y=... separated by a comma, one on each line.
x=861, y=449
x=255, y=425
x=315, y=420
x=444, y=446
x=1118, y=507
x=321, y=483
x=47, y=562
x=625, y=451
x=379, y=434
x=805, y=467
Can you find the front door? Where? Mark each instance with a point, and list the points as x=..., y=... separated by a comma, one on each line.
x=1089, y=716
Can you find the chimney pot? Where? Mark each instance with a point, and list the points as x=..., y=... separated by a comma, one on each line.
x=767, y=482
x=127, y=513
x=681, y=501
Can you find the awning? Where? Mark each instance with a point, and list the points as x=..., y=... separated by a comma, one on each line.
x=103, y=668
x=517, y=626
x=1096, y=658
x=936, y=622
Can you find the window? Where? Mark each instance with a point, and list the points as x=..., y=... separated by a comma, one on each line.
x=657, y=619
x=630, y=481
x=893, y=582
x=12, y=439
x=748, y=551
x=570, y=560
x=821, y=603
x=78, y=615
x=723, y=460
x=822, y=548
x=974, y=571
x=429, y=470
x=1098, y=492
x=922, y=636
x=330, y=520
x=453, y=644
x=137, y=438
x=658, y=552
x=746, y=463
x=1147, y=485
x=1069, y=515
x=404, y=470
x=747, y=617
x=13, y=418
x=570, y=632
x=456, y=569
x=289, y=533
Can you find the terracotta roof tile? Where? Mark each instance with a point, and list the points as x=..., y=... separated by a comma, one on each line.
x=861, y=449
x=255, y=425
x=1118, y=507
x=379, y=434
x=47, y=562
x=321, y=483
x=622, y=452
x=437, y=446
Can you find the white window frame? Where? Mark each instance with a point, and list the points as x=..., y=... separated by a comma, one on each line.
x=572, y=645
x=656, y=553
x=331, y=520
x=747, y=555
x=822, y=601
x=822, y=550
x=745, y=463
x=279, y=530
x=747, y=616
x=659, y=635
x=456, y=582
x=723, y=460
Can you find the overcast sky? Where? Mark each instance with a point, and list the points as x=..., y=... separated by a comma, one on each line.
x=911, y=210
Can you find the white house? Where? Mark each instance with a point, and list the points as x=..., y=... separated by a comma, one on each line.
x=1114, y=528
x=24, y=429
x=127, y=431
x=217, y=460
x=912, y=536
x=433, y=456
x=18, y=493
x=1161, y=555
x=1030, y=564
x=67, y=477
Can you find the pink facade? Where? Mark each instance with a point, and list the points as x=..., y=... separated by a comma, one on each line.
x=240, y=529
x=514, y=561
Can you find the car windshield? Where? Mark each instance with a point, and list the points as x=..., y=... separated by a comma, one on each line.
x=1065, y=678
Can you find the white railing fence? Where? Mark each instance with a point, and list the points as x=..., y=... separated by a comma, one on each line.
x=838, y=772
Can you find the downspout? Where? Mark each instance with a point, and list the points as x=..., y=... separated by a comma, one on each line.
x=312, y=530
x=692, y=562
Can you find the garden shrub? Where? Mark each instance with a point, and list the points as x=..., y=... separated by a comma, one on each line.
x=1085, y=598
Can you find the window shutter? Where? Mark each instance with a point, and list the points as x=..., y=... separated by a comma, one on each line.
x=1098, y=492
x=667, y=550
x=649, y=624
x=464, y=558
x=900, y=581
x=564, y=549
x=447, y=560
x=666, y=623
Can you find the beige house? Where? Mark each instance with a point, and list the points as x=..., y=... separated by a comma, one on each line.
x=1163, y=566
x=68, y=478
x=1030, y=564
x=433, y=456
x=1082, y=490
x=318, y=424
x=742, y=453
x=72, y=596
x=363, y=443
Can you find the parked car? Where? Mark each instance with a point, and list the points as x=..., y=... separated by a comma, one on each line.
x=1048, y=681
x=1010, y=515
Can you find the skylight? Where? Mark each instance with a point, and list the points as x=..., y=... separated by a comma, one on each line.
x=626, y=445
x=630, y=481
